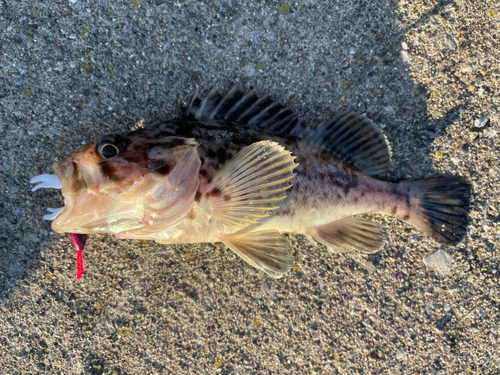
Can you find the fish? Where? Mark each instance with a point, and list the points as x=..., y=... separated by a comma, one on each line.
x=243, y=169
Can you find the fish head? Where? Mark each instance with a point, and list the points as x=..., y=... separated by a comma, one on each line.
x=141, y=182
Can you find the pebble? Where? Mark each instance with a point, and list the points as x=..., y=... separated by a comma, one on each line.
x=370, y=267
x=250, y=70
x=21, y=79
x=93, y=103
x=389, y=110
x=455, y=159
x=401, y=354
x=53, y=131
x=480, y=122
x=439, y=259
x=404, y=46
x=450, y=43
x=405, y=56
x=467, y=68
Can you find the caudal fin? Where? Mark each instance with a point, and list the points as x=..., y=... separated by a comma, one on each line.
x=440, y=207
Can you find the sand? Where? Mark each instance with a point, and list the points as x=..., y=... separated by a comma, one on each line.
x=427, y=73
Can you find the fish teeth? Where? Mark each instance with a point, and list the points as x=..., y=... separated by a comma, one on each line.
x=48, y=181
x=54, y=214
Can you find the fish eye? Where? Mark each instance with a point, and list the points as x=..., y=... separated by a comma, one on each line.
x=108, y=150
x=111, y=145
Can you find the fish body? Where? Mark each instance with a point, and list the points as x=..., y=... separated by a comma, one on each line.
x=243, y=170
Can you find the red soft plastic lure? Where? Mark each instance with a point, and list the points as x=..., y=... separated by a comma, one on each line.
x=78, y=241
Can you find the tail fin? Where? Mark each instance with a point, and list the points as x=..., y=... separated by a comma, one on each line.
x=440, y=207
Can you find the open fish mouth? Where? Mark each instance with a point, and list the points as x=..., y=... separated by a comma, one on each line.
x=48, y=181
x=68, y=178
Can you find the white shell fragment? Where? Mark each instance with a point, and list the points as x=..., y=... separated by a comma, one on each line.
x=48, y=181
x=54, y=214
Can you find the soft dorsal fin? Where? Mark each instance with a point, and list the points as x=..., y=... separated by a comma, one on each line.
x=356, y=139
x=350, y=136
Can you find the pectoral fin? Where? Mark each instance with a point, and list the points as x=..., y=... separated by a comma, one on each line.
x=248, y=187
x=350, y=233
x=266, y=250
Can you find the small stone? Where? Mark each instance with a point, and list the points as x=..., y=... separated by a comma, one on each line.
x=401, y=354
x=53, y=131
x=250, y=70
x=389, y=110
x=450, y=43
x=370, y=267
x=21, y=79
x=261, y=65
x=73, y=1
x=481, y=122
x=439, y=259
x=467, y=68
x=93, y=103
x=405, y=56
x=404, y=46
x=284, y=9
x=264, y=287
x=455, y=159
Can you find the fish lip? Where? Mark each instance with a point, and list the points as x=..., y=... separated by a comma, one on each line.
x=71, y=178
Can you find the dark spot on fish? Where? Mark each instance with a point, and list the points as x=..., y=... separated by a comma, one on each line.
x=406, y=217
x=227, y=197
x=214, y=193
x=394, y=209
x=284, y=211
x=176, y=141
x=290, y=140
x=191, y=215
x=108, y=170
x=221, y=155
x=197, y=196
x=134, y=157
x=164, y=169
x=185, y=129
x=356, y=199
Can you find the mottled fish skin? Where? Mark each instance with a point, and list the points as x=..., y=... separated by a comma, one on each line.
x=325, y=189
x=243, y=170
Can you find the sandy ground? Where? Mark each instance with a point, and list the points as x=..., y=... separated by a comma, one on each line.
x=426, y=71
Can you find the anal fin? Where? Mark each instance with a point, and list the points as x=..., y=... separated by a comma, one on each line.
x=350, y=233
x=266, y=250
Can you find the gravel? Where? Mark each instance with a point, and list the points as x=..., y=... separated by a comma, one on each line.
x=426, y=71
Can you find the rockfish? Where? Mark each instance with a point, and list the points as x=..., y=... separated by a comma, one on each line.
x=242, y=169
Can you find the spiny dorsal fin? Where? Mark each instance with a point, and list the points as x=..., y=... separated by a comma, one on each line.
x=350, y=136
x=250, y=185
